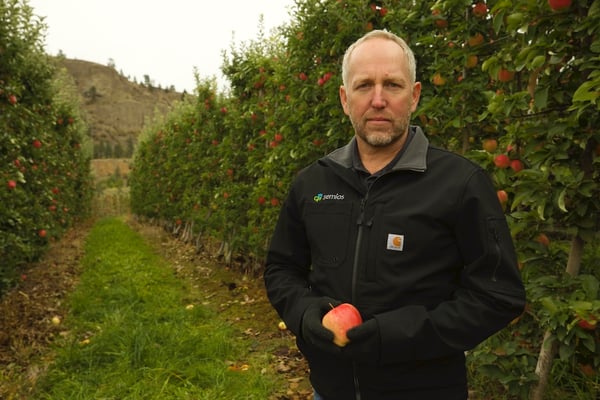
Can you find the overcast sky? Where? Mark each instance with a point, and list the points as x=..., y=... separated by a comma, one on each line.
x=162, y=39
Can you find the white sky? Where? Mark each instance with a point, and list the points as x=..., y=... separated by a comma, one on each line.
x=162, y=39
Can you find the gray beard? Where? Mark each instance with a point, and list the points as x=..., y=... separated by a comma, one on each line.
x=382, y=140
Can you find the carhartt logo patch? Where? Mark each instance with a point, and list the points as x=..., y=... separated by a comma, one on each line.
x=395, y=242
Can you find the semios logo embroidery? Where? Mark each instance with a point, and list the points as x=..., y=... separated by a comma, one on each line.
x=320, y=197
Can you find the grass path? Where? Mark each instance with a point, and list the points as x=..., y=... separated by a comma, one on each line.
x=136, y=330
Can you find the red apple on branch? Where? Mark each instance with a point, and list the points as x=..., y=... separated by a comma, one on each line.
x=505, y=75
x=438, y=79
x=502, y=161
x=557, y=5
x=543, y=240
x=502, y=196
x=490, y=145
x=480, y=10
x=516, y=165
x=587, y=325
x=339, y=320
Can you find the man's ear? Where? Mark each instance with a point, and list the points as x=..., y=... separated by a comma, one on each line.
x=416, y=95
x=344, y=99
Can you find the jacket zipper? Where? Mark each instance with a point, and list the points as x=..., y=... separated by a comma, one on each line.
x=361, y=226
x=498, y=252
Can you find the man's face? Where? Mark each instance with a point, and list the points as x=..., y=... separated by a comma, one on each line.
x=379, y=97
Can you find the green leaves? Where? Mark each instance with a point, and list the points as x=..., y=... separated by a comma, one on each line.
x=524, y=75
x=40, y=144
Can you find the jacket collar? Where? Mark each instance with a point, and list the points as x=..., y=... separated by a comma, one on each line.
x=413, y=159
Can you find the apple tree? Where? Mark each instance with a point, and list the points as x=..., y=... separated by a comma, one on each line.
x=511, y=84
x=44, y=168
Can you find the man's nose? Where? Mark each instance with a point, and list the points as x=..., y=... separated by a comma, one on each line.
x=378, y=100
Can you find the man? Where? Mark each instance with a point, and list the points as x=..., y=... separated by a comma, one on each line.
x=412, y=235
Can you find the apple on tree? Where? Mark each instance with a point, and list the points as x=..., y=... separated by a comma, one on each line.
x=557, y=5
x=502, y=161
x=516, y=165
x=490, y=145
x=339, y=320
x=502, y=196
x=480, y=9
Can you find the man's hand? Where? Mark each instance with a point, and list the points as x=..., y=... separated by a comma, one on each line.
x=365, y=343
x=313, y=331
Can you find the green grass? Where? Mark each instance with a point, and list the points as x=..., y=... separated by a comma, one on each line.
x=131, y=335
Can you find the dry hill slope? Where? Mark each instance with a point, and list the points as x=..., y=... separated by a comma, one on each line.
x=116, y=108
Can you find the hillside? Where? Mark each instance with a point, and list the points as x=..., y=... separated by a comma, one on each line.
x=114, y=107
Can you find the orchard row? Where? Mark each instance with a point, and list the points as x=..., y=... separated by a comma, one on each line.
x=44, y=176
x=513, y=85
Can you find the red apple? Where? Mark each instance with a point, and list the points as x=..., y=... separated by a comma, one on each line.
x=12, y=184
x=557, y=5
x=383, y=11
x=441, y=23
x=42, y=233
x=516, y=165
x=302, y=76
x=12, y=99
x=543, y=239
x=505, y=75
x=502, y=161
x=475, y=40
x=438, y=79
x=480, y=10
x=439, y=19
x=502, y=196
x=490, y=145
x=37, y=144
x=339, y=320
x=472, y=61
x=588, y=325
x=587, y=370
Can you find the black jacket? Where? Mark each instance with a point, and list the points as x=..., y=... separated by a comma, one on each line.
x=426, y=250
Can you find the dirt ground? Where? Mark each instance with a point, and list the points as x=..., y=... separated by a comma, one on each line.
x=29, y=312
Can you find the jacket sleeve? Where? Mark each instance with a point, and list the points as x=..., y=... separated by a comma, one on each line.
x=490, y=294
x=288, y=266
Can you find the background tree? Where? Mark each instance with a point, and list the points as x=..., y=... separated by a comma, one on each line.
x=512, y=85
x=44, y=154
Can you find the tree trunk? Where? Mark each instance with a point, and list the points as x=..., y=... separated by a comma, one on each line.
x=574, y=262
x=549, y=344
x=544, y=365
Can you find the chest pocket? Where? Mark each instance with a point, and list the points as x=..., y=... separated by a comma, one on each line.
x=328, y=227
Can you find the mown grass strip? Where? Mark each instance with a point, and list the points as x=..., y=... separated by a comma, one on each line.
x=131, y=335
